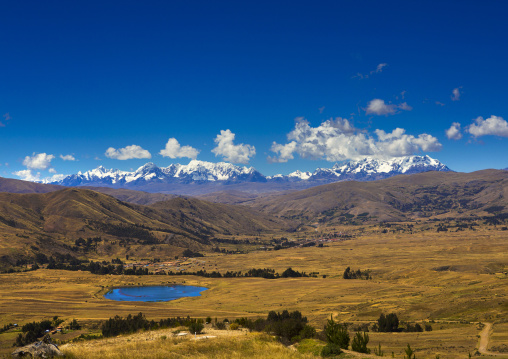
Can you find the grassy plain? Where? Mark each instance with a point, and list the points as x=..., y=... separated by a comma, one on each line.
x=451, y=278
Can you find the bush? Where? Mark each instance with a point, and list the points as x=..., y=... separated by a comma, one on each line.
x=220, y=325
x=330, y=349
x=196, y=328
x=234, y=326
x=359, y=343
x=307, y=332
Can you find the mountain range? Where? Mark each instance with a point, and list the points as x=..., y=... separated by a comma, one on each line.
x=51, y=218
x=212, y=177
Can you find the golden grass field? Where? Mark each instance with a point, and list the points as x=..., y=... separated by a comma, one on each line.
x=404, y=281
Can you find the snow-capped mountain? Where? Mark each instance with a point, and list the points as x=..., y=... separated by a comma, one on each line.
x=367, y=169
x=200, y=172
x=195, y=171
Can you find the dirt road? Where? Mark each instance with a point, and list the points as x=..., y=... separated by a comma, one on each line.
x=484, y=341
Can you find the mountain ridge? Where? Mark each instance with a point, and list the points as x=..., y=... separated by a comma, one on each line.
x=152, y=178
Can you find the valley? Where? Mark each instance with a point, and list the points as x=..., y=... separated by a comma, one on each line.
x=433, y=244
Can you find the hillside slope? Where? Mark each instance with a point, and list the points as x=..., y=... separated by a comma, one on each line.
x=52, y=222
x=399, y=198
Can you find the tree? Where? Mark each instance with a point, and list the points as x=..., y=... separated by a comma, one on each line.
x=359, y=343
x=336, y=333
x=389, y=323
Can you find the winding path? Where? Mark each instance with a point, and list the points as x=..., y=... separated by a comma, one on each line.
x=484, y=341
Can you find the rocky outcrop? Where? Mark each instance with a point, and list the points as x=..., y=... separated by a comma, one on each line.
x=43, y=349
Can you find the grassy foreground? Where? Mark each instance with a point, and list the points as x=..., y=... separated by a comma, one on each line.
x=238, y=346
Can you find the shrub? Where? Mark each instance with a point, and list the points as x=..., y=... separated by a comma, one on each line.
x=196, y=327
x=307, y=332
x=330, y=349
x=359, y=343
x=409, y=353
x=220, y=325
x=234, y=326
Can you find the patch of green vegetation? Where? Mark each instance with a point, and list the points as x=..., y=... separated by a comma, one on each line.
x=311, y=346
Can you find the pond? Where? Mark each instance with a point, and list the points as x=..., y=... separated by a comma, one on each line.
x=154, y=293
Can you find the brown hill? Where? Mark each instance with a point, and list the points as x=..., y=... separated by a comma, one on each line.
x=18, y=186
x=400, y=198
x=128, y=195
x=52, y=222
x=220, y=218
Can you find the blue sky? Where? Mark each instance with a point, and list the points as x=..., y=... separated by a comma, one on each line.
x=109, y=83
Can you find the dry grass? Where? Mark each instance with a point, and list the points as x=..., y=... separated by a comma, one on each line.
x=242, y=346
x=405, y=281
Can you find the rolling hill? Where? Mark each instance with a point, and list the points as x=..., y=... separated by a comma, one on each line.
x=399, y=198
x=52, y=222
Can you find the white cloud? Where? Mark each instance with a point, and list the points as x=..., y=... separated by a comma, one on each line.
x=68, y=157
x=40, y=161
x=338, y=140
x=27, y=175
x=379, y=107
x=456, y=94
x=127, y=153
x=453, y=133
x=379, y=68
x=174, y=150
x=52, y=170
x=494, y=126
x=229, y=151
x=404, y=106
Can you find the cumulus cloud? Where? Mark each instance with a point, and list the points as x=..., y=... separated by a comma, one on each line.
x=229, y=151
x=39, y=161
x=68, y=157
x=379, y=107
x=6, y=117
x=456, y=94
x=337, y=140
x=28, y=175
x=52, y=170
x=127, y=153
x=174, y=150
x=494, y=125
x=453, y=133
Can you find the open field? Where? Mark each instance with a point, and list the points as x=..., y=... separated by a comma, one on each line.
x=446, y=277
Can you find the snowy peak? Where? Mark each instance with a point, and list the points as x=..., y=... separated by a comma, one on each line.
x=200, y=172
x=368, y=169
x=195, y=171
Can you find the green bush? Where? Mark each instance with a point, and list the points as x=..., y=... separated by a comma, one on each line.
x=330, y=349
x=196, y=327
x=359, y=343
x=220, y=325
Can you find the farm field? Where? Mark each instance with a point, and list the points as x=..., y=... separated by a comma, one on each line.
x=448, y=279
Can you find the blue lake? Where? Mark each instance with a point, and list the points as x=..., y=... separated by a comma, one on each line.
x=154, y=293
